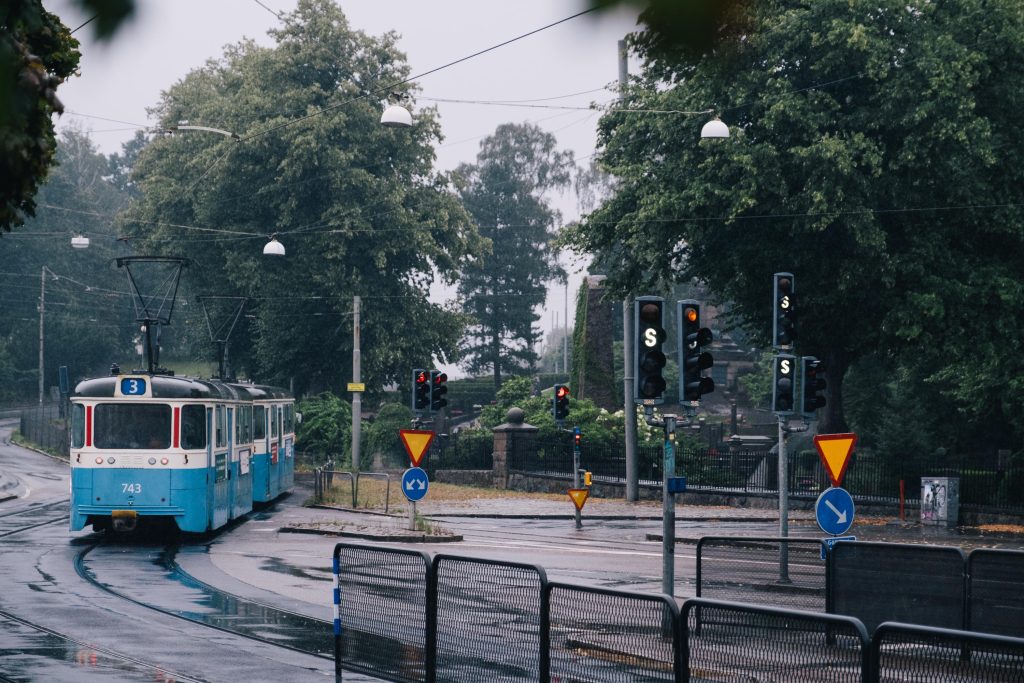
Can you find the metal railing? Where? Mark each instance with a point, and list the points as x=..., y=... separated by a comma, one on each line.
x=404, y=617
x=728, y=469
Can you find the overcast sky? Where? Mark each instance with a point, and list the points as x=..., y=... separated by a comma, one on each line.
x=168, y=38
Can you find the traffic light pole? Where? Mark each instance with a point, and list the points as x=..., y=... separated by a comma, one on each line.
x=576, y=483
x=668, y=501
x=783, y=502
x=357, y=399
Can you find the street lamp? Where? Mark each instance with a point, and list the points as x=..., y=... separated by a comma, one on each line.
x=273, y=247
x=714, y=129
x=396, y=116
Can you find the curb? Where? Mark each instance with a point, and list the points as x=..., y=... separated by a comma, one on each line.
x=393, y=538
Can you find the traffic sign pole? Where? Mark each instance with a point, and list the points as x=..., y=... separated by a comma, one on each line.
x=576, y=475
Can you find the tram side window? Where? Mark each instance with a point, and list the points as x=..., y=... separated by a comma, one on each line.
x=77, y=425
x=133, y=425
x=222, y=427
x=193, y=427
x=275, y=412
x=289, y=418
x=243, y=424
x=259, y=422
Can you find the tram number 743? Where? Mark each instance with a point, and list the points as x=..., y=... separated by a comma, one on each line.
x=131, y=488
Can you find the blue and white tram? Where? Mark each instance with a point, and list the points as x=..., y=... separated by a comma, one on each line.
x=196, y=452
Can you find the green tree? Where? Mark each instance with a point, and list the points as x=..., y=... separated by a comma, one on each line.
x=504, y=191
x=326, y=427
x=874, y=153
x=88, y=319
x=358, y=206
x=37, y=53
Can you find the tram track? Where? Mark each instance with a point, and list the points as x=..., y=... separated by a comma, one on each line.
x=63, y=507
x=45, y=639
x=225, y=612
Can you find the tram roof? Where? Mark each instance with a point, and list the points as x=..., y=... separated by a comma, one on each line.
x=173, y=387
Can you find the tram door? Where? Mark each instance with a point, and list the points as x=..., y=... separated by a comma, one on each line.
x=221, y=486
x=242, y=460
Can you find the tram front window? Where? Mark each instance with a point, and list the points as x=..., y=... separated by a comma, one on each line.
x=132, y=425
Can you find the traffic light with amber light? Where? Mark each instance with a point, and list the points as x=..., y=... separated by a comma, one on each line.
x=783, y=311
x=782, y=384
x=438, y=389
x=649, y=359
x=420, y=390
x=812, y=381
x=560, y=403
x=693, y=361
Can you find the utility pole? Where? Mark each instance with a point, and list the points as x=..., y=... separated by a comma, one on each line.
x=42, y=314
x=629, y=412
x=357, y=399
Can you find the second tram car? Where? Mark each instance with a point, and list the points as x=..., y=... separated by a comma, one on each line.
x=193, y=451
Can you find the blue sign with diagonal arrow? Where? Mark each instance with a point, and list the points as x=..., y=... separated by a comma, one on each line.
x=414, y=483
x=834, y=511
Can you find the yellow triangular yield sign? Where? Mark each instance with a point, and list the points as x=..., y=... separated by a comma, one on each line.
x=835, y=450
x=579, y=497
x=416, y=442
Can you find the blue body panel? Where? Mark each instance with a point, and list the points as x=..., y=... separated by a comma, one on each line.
x=179, y=494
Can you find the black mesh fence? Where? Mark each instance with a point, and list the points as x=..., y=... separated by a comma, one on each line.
x=878, y=582
x=488, y=620
x=611, y=636
x=995, y=592
x=902, y=653
x=46, y=427
x=781, y=572
x=726, y=641
x=381, y=619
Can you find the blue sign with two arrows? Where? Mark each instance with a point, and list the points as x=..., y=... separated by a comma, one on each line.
x=414, y=483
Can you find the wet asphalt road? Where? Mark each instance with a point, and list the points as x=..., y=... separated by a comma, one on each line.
x=56, y=626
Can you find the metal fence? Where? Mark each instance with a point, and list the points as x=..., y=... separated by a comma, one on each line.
x=464, y=450
x=488, y=619
x=918, y=584
x=727, y=641
x=380, y=612
x=905, y=652
x=46, y=426
x=403, y=617
x=782, y=572
x=995, y=592
x=609, y=635
x=727, y=469
x=874, y=582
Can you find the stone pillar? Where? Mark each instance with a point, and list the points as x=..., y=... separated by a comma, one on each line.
x=513, y=435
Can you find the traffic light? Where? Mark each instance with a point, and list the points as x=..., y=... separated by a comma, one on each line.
x=576, y=437
x=692, y=385
x=420, y=390
x=649, y=360
x=560, y=402
x=784, y=312
x=782, y=384
x=438, y=388
x=812, y=381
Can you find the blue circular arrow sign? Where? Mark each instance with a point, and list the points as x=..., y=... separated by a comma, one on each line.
x=834, y=511
x=414, y=483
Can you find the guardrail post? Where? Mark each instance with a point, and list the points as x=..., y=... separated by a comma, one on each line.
x=430, y=638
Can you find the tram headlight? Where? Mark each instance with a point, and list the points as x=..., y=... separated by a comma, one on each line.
x=110, y=460
x=99, y=461
x=164, y=461
x=152, y=461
